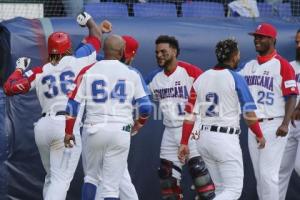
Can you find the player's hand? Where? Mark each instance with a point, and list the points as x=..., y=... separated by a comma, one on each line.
x=183, y=152
x=22, y=63
x=136, y=127
x=83, y=18
x=105, y=26
x=295, y=116
x=69, y=140
x=261, y=142
x=282, y=130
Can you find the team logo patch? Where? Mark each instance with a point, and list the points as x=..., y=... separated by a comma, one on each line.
x=28, y=73
x=290, y=84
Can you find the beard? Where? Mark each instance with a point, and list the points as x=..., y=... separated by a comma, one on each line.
x=298, y=54
x=165, y=64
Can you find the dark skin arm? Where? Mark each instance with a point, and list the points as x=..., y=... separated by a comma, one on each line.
x=93, y=29
x=296, y=114
x=289, y=108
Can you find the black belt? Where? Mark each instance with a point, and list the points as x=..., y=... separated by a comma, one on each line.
x=221, y=129
x=57, y=113
x=265, y=119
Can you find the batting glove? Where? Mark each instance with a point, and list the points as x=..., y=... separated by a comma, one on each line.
x=22, y=63
x=83, y=18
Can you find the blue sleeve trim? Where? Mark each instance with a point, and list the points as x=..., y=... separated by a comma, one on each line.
x=246, y=100
x=146, y=89
x=81, y=44
x=84, y=50
x=144, y=106
x=150, y=77
x=99, y=57
x=72, y=107
x=288, y=96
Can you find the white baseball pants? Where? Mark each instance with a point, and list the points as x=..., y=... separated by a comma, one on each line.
x=127, y=189
x=107, y=148
x=266, y=162
x=49, y=137
x=290, y=160
x=222, y=155
x=169, y=148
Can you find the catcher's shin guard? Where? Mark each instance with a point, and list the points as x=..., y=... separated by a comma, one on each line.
x=170, y=187
x=204, y=186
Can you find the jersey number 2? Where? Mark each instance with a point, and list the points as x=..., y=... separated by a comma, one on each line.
x=213, y=98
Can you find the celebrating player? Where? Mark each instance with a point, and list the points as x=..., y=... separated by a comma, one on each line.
x=91, y=185
x=107, y=89
x=215, y=95
x=271, y=80
x=52, y=83
x=170, y=85
x=291, y=156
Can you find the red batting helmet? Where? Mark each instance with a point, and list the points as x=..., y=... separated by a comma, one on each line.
x=131, y=46
x=59, y=43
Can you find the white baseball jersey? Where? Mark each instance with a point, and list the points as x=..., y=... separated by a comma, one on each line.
x=54, y=82
x=108, y=89
x=172, y=91
x=270, y=79
x=296, y=67
x=220, y=95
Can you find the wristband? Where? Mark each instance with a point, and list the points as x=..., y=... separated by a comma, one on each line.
x=255, y=128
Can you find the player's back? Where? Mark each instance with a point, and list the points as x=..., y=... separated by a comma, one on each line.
x=110, y=87
x=55, y=82
x=217, y=98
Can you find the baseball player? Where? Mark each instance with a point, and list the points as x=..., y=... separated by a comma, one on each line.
x=271, y=80
x=291, y=155
x=52, y=83
x=107, y=89
x=91, y=185
x=215, y=95
x=170, y=86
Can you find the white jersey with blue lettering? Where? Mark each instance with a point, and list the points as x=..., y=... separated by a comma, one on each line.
x=55, y=82
x=221, y=94
x=172, y=91
x=269, y=82
x=108, y=89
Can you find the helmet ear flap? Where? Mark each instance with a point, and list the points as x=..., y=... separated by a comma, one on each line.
x=59, y=43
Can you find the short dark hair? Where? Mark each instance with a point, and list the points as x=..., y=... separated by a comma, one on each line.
x=298, y=31
x=171, y=40
x=225, y=49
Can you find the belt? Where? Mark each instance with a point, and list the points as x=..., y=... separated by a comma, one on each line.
x=57, y=113
x=265, y=119
x=221, y=129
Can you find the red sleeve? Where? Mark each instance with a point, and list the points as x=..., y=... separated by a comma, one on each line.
x=288, y=84
x=78, y=80
x=189, y=106
x=187, y=129
x=94, y=41
x=19, y=83
x=192, y=70
x=31, y=74
x=69, y=125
